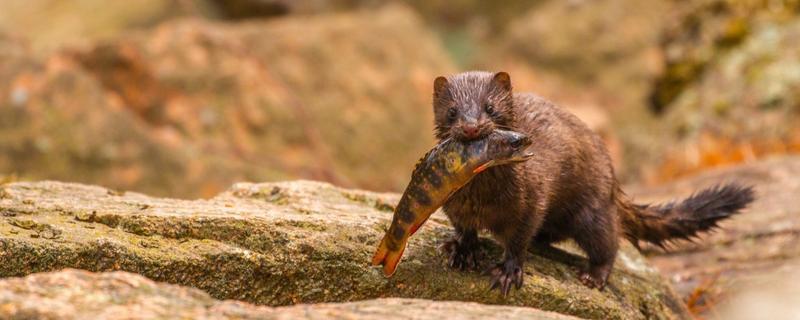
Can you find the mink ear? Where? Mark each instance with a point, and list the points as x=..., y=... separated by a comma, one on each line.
x=503, y=80
x=439, y=85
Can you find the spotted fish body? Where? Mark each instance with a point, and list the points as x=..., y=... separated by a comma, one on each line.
x=439, y=174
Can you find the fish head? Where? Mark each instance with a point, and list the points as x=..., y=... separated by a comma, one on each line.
x=504, y=147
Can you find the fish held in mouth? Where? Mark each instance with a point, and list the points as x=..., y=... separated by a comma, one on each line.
x=442, y=171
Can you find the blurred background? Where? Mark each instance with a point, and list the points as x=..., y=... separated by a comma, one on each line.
x=181, y=98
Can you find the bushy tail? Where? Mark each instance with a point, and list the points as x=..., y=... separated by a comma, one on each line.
x=662, y=224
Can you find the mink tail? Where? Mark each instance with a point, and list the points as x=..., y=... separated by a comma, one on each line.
x=666, y=223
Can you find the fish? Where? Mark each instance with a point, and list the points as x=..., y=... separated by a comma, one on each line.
x=443, y=170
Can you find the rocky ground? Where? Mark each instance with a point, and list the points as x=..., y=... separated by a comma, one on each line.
x=287, y=243
x=300, y=242
x=761, y=241
x=177, y=98
x=76, y=294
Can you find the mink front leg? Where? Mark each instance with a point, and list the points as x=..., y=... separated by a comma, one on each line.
x=515, y=239
x=507, y=273
x=462, y=249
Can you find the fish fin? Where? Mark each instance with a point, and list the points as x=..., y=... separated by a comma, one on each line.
x=413, y=229
x=380, y=255
x=392, y=260
x=389, y=259
x=483, y=167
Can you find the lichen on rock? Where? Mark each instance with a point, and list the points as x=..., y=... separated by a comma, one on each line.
x=311, y=244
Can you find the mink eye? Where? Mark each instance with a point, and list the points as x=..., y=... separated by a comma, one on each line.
x=452, y=113
x=489, y=109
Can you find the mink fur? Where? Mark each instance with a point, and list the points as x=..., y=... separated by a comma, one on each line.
x=567, y=190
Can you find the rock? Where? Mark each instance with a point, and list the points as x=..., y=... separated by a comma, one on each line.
x=769, y=296
x=464, y=18
x=606, y=48
x=720, y=73
x=608, y=41
x=51, y=113
x=249, y=9
x=77, y=294
x=191, y=106
x=703, y=31
x=760, y=241
x=49, y=24
x=291, y=242
x=727, y=92
x=744, y=106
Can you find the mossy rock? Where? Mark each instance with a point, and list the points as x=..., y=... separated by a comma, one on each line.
x=704, y=31
x=77, y=294
x=291, y=242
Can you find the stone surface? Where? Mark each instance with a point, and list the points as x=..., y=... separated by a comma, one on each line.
x=287, y=243
x=727, y=92
x=48, y=24
x=77, y=294
x=775, y=295
x=700, y=32
x=760, y=241
x=191, y=106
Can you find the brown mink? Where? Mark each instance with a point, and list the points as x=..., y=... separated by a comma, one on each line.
x=566, y=190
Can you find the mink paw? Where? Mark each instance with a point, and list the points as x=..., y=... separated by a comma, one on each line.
x=506, y=274
x=462, y=257
x=594, y=281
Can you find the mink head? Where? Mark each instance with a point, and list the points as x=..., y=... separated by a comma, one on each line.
x=470, y=105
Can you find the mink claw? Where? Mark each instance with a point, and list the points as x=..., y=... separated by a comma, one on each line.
x=460, y=257
x=504, y=276
x=590, y=281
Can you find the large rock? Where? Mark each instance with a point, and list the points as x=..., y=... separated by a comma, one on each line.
x=287, y=243
x=760, y=241
x=611, y=44
x=721, y=73
x=76, y=294
x=775, y=295
x=701, y=32
x=726, y=92
x=49, y=24
x=191, y=106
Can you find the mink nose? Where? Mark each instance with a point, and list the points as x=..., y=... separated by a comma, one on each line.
x=470, y=130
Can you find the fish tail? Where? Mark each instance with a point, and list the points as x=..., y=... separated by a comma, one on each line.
x=380, y=255
x=388, y=258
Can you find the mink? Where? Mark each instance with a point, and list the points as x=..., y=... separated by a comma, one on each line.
x=567, y=190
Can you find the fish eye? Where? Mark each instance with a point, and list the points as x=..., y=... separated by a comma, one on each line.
x=451, y=113
x=489, y=109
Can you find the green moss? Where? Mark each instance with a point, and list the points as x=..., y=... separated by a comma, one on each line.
x=85, y=216
x=373, y=201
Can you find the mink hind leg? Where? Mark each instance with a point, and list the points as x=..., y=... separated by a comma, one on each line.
x=596, y=233
x=462, y=249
